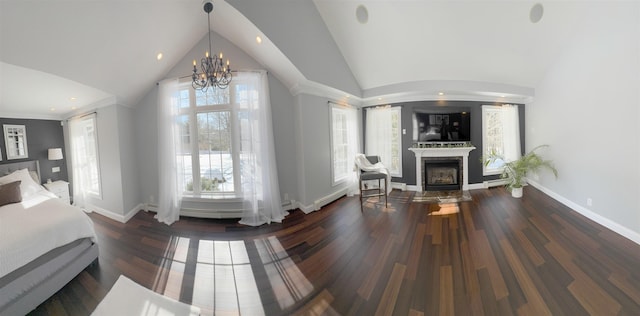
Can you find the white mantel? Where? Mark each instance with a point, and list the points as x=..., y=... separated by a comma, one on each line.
x=443, y=152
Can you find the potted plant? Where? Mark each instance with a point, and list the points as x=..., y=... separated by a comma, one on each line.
x=515, y=172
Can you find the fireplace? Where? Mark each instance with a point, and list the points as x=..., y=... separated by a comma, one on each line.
x=460, y=154
x=442, y=174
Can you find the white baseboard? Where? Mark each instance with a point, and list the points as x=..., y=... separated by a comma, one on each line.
x=399, y=185
x=305, y=208
x=116, y=217
x=621, y=230
x=148, y=207
x=317, y=204
x=477, y=186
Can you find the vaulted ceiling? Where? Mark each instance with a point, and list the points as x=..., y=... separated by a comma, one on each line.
x=105, y=51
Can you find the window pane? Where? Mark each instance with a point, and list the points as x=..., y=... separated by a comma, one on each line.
x=493, y=138
x=343, y=142
x=84, y=147
x=183, y=153
x=212, y=96
x=183, y=98
x=214, y=146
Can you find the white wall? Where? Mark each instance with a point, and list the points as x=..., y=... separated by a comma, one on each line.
x=587, y=109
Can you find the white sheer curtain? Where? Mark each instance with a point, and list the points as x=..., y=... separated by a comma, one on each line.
x=379, y=133
x=511, y=132
x=84, y=158
x=353, y=137
x=169, y=195
x=259, y=175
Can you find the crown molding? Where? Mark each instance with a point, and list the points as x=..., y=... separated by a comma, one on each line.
x=421, y=91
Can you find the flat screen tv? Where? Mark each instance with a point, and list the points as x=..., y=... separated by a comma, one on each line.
x=441, y=126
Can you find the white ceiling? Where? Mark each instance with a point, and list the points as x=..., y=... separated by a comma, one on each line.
x=51, y=51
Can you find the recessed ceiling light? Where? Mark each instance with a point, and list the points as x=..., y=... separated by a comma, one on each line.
x=258, y=39
x=440, y=93
x=159, y=56
x=379, y=98
x=73, y=98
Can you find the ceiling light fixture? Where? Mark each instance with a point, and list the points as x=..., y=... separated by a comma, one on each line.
x=536, y=13
x=258, y=39
x=159, y=56
x=214, y=74
x=362, y=14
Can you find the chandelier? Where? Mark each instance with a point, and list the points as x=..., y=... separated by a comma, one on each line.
x=213, y=72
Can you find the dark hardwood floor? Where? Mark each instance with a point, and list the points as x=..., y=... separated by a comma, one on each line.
x=492, y=256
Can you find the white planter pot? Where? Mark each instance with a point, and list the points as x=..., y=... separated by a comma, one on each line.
x=516, y=192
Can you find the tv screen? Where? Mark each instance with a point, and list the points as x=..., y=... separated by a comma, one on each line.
x=441, y=127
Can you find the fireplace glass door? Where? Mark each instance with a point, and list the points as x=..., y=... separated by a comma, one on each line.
x=442, y=175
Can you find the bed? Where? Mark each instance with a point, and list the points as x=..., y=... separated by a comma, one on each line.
x=44, y=242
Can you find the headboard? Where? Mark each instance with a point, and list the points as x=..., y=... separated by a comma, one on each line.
x=7, y=168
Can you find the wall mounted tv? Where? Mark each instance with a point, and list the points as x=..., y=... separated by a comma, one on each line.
x=441, y=126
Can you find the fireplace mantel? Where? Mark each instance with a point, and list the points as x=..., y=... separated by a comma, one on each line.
x=443, y=152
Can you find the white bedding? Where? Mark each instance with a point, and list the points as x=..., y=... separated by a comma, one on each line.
x=40, y=223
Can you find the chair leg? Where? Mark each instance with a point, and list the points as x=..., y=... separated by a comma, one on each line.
x=360, y=189
x=385, y=192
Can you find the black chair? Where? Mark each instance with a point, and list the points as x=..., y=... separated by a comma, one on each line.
x=373, y=175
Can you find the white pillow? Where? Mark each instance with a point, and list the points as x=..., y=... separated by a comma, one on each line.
x=28, y=187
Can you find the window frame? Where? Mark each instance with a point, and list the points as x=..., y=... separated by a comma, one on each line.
x=486, y=109
x=84, y=122
x=337, y=179
x=192, y=112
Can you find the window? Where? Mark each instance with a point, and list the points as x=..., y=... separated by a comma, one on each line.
x=384, y=137
x=344, y=141
x=84, y=151
x=206, y=150
x=500, y=134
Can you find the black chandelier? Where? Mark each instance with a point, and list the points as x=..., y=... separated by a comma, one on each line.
x=214, y=73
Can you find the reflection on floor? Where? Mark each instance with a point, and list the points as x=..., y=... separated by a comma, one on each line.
x=224, y=281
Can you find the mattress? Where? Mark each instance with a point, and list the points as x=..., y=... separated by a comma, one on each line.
x=19, y=282
x=36, y=226
x=44, y=243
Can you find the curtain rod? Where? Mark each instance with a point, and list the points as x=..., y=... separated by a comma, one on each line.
x=82, y=115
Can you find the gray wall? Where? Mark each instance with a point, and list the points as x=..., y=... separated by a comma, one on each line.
x=128, y=162
x=474, y=108
x=41, y=135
